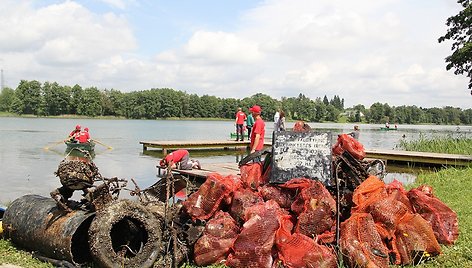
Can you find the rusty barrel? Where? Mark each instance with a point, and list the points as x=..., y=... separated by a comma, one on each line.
x=35, y=223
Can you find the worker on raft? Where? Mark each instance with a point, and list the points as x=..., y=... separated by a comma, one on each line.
x=179, y=159
x=84, y=136
x=74, y=134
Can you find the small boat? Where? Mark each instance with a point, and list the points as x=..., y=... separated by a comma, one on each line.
x=87, y=146
x=388, y=128
x=233, y=135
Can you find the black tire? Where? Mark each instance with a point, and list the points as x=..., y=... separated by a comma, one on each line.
x=129, y=223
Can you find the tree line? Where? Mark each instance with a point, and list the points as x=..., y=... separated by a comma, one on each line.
x=52, y=99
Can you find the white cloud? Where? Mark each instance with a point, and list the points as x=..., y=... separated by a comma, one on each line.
x=364, y=51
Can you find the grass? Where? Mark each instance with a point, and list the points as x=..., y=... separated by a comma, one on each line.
x=11, y=255
x=448, y=145
x=453, y=187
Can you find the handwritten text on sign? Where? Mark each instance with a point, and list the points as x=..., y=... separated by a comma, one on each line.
x=301, y=154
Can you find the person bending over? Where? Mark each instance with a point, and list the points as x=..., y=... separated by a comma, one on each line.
x=179, y=159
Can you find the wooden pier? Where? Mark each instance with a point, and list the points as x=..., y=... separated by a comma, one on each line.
x=423, y=158
x=197, y=145
x=396, y=156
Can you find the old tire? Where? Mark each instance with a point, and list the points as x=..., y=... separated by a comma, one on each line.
x=125, y=234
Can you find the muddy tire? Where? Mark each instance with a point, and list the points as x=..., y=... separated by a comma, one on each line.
x=125, y=234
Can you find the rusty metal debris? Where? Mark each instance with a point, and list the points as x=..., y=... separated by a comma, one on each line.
x=35, y=222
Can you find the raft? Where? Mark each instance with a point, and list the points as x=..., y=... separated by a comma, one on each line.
x=88, y=146
x=388, y=128
x=233, y=135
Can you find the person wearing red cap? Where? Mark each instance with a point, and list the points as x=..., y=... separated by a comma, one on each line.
x=258, y=130
x=84, y=136
x=74, y=134
x=179, y=159
x=240, y=118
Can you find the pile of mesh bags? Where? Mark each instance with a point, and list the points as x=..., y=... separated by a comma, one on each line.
x=250, y=223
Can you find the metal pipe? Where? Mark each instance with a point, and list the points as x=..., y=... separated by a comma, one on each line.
x=36, y=223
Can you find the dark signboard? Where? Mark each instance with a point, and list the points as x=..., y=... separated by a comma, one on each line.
x=301, y=154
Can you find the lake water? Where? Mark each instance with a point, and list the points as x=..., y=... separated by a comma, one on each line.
x=27, y=168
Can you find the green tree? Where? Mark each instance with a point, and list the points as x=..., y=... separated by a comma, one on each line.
x=113, y=102
x=460, y=33
x=28, y=97
x=170, y=103
x=7, y=97
x=75, y=99
x=56, y=98
x=196, y=107
x=229, y=107
x=332, y=113
x=90, y=103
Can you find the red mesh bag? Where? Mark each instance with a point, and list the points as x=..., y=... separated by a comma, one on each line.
x=361, y=244
x=395, y=188
x=415, y=239
x=298, y=250
x=253, y=246
x=283, y=197
x=442, y=219
x=218, y=237
x=242, y=199
x=337, y=149
x=314, y=205
x=251, y=175
x=203, y=203
x=353, y=146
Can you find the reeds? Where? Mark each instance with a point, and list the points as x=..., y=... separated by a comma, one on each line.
x=448, y=145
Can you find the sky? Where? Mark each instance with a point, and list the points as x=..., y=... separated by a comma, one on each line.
x=363, y=51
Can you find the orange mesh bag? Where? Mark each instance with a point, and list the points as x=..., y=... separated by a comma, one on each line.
x=218, y=237
x=361, y=244
x=242, y=199
x=442, y=218
x=299, y=251
x=203, y=203
x=253, y=246
x=415, y=239
x=251, y=175
x=370, y=190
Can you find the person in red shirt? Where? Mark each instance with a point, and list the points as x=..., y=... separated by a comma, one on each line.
x=74, y=134
x=240, y=118
x=179, y=159
x=84, y=136
x=258, y=130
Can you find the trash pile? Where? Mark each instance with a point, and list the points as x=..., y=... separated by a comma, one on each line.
x=236, y=220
